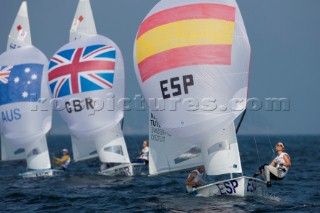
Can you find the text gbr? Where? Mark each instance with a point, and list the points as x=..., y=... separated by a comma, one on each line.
x=76, y=105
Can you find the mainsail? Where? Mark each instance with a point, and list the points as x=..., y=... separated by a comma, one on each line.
x=218, y=153
x=192, y=58
x=169, y=154
x=86, y=76
x=24, y=102
x=20, y=34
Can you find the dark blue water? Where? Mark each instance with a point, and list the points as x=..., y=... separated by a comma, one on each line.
x=81, y=190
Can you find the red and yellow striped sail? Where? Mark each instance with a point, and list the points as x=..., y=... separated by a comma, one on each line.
x=194, y=34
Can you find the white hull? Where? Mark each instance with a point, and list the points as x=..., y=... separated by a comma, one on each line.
x=41, y=173
x=241, y=187
x=131, y=169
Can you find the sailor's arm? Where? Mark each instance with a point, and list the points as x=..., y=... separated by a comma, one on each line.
x=57, y=160
x=287, y=160
x=190, y=179
x=61, y=160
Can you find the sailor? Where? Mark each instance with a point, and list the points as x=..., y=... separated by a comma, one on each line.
x=144, y=155
x=278, y=168
x=64, y=161
x=195, y=179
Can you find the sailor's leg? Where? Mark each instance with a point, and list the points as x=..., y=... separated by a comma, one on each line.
x=262, y=171
x=274, y=173
x=266, y=173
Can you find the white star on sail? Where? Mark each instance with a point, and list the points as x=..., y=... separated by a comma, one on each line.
x=34, y=77
x=16, y=80
x=25, y=94
x=29, y=82
x=27, y=70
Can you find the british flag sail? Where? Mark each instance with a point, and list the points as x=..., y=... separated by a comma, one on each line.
x=85, y=77
x=86, y=80
x=81, y=70
x=24, y=101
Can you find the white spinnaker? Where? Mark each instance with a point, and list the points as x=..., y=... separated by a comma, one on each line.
x=219, y=90
x=20, y=34
x=83, y=24
x=91, y=123
x=34, y=119
x=168, y=154
x=18, y=136
x=92, y=130
x=221, y=152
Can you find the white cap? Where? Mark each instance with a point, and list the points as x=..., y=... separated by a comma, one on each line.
x=281, y=144
x=65, y=150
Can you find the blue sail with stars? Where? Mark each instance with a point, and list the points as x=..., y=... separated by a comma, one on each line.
x=20, y=83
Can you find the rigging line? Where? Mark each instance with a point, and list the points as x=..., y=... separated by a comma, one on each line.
x=273, y=153
x=137, y=147
x=240, y=122
x=268, y=135
x=255, y=141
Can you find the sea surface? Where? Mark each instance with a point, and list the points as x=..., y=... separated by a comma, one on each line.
x=81, y=190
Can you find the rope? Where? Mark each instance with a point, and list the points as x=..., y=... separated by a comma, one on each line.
x=271, y=147
x=255, y=141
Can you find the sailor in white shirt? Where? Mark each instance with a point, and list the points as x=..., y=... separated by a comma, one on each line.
x=278, y=168
x=195, y=179
x=144, y=155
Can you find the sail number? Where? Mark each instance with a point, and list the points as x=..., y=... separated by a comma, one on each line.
x=176, y=86
x=228, y=187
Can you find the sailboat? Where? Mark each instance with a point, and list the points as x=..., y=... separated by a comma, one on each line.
x=25, y=115
x=86, y=76
x=192, y=62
